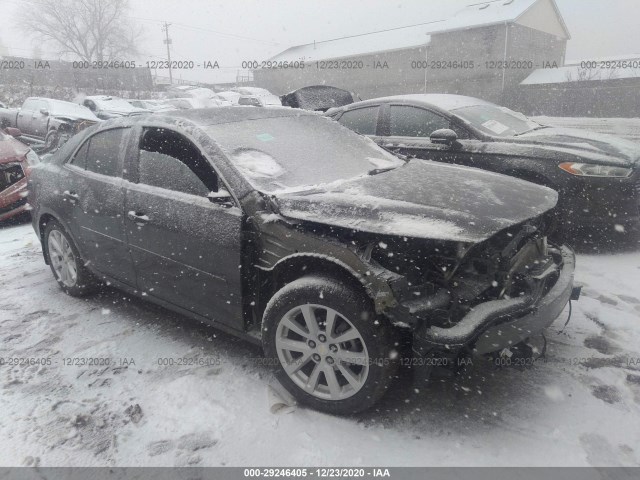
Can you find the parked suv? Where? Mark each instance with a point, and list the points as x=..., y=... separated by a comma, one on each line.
x=293, y=232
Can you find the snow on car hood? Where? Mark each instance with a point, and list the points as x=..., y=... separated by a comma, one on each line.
x=77, y=118
x=422, y=199
x=600, y=147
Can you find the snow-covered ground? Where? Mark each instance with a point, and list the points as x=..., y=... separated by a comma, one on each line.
x=581, y=407
x=628, y=128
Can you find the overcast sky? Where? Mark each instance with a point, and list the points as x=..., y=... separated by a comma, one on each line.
x=210, y=30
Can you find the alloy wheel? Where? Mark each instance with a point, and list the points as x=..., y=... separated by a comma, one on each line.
x=62, y=259
x=322, y=352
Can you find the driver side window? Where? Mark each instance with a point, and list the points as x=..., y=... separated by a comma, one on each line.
x=168, y=160
x=29, y=105
x=409, y=121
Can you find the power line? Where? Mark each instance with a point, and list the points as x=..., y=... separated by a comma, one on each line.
x=208, y=30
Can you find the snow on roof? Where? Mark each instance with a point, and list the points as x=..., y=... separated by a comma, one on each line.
x=445, y=101
x=575, y=73
x=395, y=39
x=488, y=13
x=473, y=15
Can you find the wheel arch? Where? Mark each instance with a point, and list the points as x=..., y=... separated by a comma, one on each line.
x=298, y=265
x=43, y=221
x=531, y=176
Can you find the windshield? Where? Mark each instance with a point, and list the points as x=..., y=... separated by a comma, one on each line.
x=65, y=108
x=292, y=152
x=496, y=121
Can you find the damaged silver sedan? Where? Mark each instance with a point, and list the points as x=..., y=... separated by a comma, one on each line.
x=291, y=231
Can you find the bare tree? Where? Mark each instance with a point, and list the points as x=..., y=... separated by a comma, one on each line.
x=87, y=29
x=583, y=74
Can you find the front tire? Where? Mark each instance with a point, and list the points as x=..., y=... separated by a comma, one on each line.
x=51, y=140
x=331, y=351
x=65, y=262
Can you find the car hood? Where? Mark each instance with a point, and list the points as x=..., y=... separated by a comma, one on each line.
x=12, y=150
x=421, y=199
x=76, y=118
x=598, y=147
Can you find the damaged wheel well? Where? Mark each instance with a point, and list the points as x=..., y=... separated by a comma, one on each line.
x=292, y=268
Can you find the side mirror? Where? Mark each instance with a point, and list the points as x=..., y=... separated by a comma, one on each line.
x=44, y=112
x=444, y=136
x=221, y=197
x=14, y=132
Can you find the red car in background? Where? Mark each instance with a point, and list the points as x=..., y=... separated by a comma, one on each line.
x=16, y=158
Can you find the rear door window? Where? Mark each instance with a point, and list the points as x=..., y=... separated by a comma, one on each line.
x=362, y=120
x=104, y=152
x=80, y=158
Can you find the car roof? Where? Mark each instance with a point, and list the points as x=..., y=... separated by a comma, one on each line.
x=208, y=116
x=443, y=101
x=51, y=100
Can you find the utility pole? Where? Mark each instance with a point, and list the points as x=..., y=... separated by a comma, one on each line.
x=167, y=42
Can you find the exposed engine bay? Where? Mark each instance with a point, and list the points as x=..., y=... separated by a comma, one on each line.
x=10, y=174
x=441, y=283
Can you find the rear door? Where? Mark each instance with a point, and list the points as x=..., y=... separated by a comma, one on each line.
x=24, y=119
x=97, y=196
x=186, y=249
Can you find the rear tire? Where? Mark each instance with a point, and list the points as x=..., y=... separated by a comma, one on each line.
x=66, y=264
x=331, y=352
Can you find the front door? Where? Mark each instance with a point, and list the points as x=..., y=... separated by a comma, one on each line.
x=186, y=249
x=406, y=129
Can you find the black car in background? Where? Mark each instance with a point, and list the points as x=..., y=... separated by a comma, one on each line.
x=596, y=175
x=318, y=98
x=287, y=229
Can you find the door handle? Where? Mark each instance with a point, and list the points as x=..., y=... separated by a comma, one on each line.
x=71, y=196
x=140, y=219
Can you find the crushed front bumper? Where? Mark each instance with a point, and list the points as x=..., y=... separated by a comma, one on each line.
x=498, y=324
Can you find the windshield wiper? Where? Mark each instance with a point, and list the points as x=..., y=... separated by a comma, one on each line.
x=401, y=156
x=376, y=171
x=539, y=127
